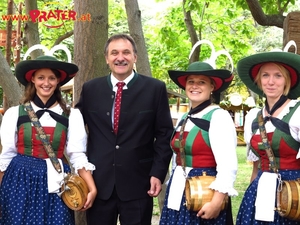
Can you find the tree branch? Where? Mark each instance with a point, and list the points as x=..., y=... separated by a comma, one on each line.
x=192, y=32
x=261, y=18
x=285, y=6
x=63, y=37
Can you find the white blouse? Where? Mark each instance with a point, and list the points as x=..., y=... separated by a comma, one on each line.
x=223, y=142
x=294, y=125
x=76, y=136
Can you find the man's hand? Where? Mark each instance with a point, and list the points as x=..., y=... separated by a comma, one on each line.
x=155, y=187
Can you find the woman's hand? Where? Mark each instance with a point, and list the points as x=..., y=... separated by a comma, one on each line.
x=87, y=176
x=212, y=209
x=1, y=176
x=90, y=200
x=209, y=211
x=254, y=170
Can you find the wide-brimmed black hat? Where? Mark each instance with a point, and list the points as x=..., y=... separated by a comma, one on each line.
x=248, y=68
x=221, y=77
x=25, y=69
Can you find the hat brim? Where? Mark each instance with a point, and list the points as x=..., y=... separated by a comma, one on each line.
x=222, y=78
x=25, y=69
x=248, y=68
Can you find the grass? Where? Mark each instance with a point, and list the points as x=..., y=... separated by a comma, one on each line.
x=241, y=183
x=243, y=179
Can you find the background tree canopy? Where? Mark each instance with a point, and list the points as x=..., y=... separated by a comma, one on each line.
x=168, y=31
x=227, y=24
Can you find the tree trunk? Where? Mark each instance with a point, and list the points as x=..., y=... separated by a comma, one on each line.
x=9, y=31
x=263, y=19
x=291, y=31
x=32, y=29
x=192, y=32
x=90, y=37
x=9, y=84
x=10, y=3
x=89, y=40
x=136, y=31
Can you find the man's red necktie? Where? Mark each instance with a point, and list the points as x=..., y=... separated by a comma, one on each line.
x=118, y=106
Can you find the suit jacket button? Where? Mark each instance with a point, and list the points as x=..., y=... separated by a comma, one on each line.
x=117, y=146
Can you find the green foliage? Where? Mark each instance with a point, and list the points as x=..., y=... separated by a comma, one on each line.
x=156, y=210
x=269, y=6
x=3, y=11
x=169, y=43
x=48, y=36
x=117, y=20
x=225, y=23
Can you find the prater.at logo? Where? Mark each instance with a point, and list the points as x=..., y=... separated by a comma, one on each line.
x=54, y=15
x=51, y=15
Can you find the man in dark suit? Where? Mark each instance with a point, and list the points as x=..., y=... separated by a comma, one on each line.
x=132, y=162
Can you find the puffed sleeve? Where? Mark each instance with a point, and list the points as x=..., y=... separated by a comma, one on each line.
x=294, y=125
x=223, y=141
x=8, y=133
x=77, y=141
x=250, y=116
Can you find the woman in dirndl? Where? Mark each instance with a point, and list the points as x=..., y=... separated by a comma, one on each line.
x=209, y=138
x=30, y=186
x=275, y=76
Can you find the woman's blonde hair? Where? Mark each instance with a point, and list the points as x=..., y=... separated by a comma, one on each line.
x=285, y=73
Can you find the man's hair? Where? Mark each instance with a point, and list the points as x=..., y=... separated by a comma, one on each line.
x=117, y=37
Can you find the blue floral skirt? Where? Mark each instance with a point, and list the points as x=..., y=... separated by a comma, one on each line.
x=246, y=214
x=24, y=197
x=185, y=216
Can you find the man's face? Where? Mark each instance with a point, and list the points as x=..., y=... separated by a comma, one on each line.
x=121, y=58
